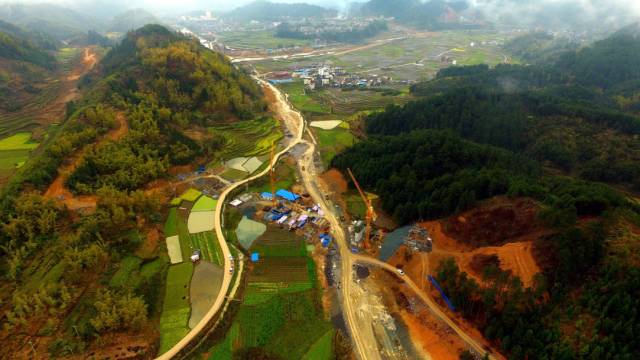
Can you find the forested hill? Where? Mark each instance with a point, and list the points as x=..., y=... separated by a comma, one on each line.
x=262, y=10
x=580, y=115
x=17, y=44
x=167, y=84
x=544, y=133
x=92, y=278
x=56, y=21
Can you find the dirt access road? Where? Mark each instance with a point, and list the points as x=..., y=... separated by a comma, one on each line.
x=324, y=52
x=58, y=191
x=55, y=110
x=472, y=343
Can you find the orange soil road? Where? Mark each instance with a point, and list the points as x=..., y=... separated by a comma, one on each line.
x=57, y=189
x=55, y=110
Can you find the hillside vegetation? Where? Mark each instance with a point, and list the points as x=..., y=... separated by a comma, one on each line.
x=544, y=132
x=96, y=287
x=167, y=84
x=579, y=115
x=25, y=64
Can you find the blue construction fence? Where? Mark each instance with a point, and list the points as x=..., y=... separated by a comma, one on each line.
x=444, y=296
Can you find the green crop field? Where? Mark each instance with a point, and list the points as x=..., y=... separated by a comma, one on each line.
x=18, y=141
x=234, y=174
x=224, y=350
x=301, y=100
x=321, y=349
x=204, y=203
x=209, y=247
x=333, y=142
x=191, y=195
x=12, y=159
x=171, y=225
x=176, y=308
x=346, y=102
x=277, y=242
x=280, y=311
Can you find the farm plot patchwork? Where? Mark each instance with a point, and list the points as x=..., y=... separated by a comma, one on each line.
x=280, y=310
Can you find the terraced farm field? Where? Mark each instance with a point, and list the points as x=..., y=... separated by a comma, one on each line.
x=348, y=102
x=248, y=138
x=30, y=113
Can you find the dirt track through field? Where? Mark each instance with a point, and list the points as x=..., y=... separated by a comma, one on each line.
x=55, y=110
x=57, y=189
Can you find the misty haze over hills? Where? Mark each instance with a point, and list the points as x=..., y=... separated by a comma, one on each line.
x=553, y=14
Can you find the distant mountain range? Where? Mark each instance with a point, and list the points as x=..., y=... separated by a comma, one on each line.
x=57, y=21
x=131, y=20
x=268, y=11
x=66, y=24
x=428, y=14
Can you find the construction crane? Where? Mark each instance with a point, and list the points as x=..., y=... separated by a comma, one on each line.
x=370, y=215
x=272, y=175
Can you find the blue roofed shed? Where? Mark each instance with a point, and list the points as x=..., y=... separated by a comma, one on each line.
x=287, y=195
x=255, y=257
x=266, y=195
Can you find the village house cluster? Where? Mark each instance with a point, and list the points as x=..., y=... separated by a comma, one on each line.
x=322, y=75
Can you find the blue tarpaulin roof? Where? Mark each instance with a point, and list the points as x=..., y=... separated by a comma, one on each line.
x=266, y=195
x=255, y=257
x=287, y=195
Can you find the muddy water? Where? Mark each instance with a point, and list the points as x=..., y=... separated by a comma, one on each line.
x=392, y=242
